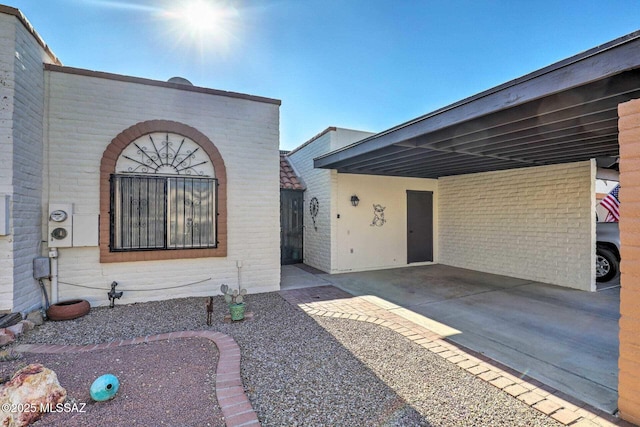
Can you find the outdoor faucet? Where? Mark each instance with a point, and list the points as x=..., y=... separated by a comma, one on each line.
x=113, y=294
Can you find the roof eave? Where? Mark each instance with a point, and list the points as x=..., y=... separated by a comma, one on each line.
x=609, y=59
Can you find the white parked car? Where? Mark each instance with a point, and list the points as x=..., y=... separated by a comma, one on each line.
x=607, y=250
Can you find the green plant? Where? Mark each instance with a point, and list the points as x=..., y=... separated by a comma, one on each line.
x=9, y=355
x=234, y=296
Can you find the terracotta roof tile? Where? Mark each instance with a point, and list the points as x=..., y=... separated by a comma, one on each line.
x=288, y=178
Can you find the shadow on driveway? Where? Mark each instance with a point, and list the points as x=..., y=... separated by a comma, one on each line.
x=565, y=338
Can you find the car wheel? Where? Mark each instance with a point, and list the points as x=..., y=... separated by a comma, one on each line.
x=606, y=265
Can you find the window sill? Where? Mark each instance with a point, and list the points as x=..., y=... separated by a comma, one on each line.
x=133, y=256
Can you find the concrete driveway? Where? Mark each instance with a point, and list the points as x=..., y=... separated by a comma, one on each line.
x=565, y=338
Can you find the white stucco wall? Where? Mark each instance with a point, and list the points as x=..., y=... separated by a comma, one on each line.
x=86, y=113
x=359, y=245
x=532, y=223
x=321, y=184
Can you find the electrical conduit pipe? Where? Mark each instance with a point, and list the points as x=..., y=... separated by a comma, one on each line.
x=53, y=254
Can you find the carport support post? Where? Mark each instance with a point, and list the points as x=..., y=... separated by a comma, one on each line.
x=629, y=361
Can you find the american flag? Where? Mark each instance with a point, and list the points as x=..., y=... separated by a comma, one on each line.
x=612, y=204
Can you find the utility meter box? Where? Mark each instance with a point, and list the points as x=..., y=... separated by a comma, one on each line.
x=41, y=268
x=60, y=228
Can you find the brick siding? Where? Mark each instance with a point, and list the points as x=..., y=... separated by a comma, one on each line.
x=88, y=113
x=317, y=239
x=320, y=242
x=22, y=114
x=7, y=58
x=532, y=223
x=629, y=361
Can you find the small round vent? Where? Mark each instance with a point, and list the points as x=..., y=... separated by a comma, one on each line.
x=180, y=81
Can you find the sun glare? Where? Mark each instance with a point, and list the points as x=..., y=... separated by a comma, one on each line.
x=207, y=23
x=200, y=15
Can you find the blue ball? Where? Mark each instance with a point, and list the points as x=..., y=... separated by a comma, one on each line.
x=104, y=387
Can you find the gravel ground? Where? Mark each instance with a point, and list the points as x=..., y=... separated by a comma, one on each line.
x=153, y=380
x=301, y=370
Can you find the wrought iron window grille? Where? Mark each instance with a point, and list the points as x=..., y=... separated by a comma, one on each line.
x=162, y=212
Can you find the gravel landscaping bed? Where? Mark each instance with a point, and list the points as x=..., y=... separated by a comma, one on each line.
x=312, y=371
x=161, y=383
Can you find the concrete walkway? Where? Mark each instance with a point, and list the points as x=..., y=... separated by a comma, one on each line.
x=564, y=338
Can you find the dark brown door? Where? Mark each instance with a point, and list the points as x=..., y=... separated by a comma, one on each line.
x=419, y=226
x=290, y=226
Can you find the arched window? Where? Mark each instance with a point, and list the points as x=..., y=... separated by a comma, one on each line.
x=164, y=196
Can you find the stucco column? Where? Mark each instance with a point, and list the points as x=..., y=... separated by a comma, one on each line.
x=629, y=362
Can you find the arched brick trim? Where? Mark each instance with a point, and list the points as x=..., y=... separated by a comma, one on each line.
x=108, y=166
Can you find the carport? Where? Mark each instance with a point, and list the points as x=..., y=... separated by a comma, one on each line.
x=566, y=115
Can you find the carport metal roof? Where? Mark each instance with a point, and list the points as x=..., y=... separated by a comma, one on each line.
x=565, y=112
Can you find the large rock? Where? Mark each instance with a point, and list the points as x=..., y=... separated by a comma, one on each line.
x=32, y=387
x=27, y=325
x=16, y=329
x=35, y=317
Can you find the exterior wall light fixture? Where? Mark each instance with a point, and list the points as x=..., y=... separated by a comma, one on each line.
x=354, y=200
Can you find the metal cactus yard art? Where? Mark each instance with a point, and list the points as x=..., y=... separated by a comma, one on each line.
x=235, y=300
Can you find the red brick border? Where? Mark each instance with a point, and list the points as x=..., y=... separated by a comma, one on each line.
x=328, y=301
x=233, y=401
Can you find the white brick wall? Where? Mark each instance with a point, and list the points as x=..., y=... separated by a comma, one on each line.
x=86, y=113
x=316, y=241
x=342, y=137
x=532, y=223
x=21, y=131
x=322, y=184
x=28, y=164
x=7, y=58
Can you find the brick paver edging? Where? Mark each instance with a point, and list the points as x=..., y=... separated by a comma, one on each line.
x=328, y=301
x=232, y=399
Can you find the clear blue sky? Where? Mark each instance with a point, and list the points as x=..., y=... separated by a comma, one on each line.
x=359, y=64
